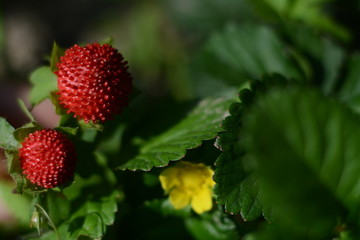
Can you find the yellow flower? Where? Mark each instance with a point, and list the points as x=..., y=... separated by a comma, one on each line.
x=189, y=183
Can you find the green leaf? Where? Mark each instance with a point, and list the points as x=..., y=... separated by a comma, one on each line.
x=17, y=205
x=203, y=123
x=91, y=210
x=212, y=226
x=69, y=130
x=15, y=170
x=58, y=206
x=236, y=188
x=321, y=57
x=108, y=173
x=309, y=12
x=7, y=139
x=94, y=216
x=167, y=209
x=240, y=53
x=350, y=91
x=56, y=53
x=44, y=82
x=112, y=143
x=304, y=148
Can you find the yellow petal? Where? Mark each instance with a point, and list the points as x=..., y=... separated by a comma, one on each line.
x=169, y=178
x=192, y=178
x=202, y=200
x=210, y=174
x=179, y=199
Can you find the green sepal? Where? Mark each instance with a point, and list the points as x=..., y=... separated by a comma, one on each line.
x=25, y=110
x=56, y=53
x=108, y=40
x=69, y=130
x=21, y=133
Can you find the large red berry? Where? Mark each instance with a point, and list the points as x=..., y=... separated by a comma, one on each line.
x=47, y=158
x=93, y=81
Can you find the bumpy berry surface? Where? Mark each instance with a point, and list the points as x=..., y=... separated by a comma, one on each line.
x=93, y=81
x=48, y=158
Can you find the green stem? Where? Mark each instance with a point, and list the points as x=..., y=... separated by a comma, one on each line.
x=25, y=110
x=42, y=210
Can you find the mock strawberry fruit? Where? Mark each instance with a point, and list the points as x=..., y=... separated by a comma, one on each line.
x=47, y=158
x=93, y=81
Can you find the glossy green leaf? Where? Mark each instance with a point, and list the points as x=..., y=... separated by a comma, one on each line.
x=202, y=123
x=44, y=82
x=304, y=148
x=7, y=139
x=236, y=188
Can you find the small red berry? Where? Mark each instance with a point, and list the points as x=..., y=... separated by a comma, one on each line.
x=47, y=158
x=93, y=81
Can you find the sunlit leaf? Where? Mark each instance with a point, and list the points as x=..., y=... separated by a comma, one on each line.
x=203, y=123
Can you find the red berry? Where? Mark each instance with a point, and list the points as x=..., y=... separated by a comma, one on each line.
x=93, y=81
x=47, y=158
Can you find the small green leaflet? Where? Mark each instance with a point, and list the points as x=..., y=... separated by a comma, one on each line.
x=7, y=139
x=203, y=123
x=44, y=82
